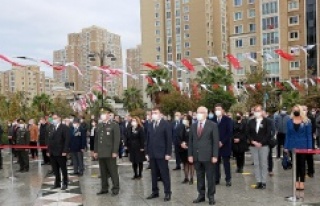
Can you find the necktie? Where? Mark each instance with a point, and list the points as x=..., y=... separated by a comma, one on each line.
x=219, y=120
x=200, y=129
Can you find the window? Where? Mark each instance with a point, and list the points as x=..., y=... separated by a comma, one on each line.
x=157, y=32
x=272, y=68
x=186, y=35
x=270, y=23
x=187, y=53
x=251, y=13
x=239, y=56
x=157, y=5
x=237, y=16
x=185, y=1
x=158, y=49
x=178, y=56
x=238, y=43
x=270, y=8
x=238, y=29
x=270, y=38
x=293, y=5
x=294, y=65
x=237, y=2
x=186, y=9
x=158, y=58
x=169, y=32
x=186, y=44
x=157, y=15
x=252, y=41
x=157, y=23
x=250, y=1
x=253, y=55
x=178, y=30
x=252, y=27
x=186, y=17
x=186, y=27
x=293, y=20
x=293, y=35
x=178, y=22
x=177, y=12
x=168, y=15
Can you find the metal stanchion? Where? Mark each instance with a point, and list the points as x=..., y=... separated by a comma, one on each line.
x=294, y=197
x=12, y=175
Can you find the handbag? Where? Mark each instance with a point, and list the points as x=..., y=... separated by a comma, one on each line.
x=286, y=162
x=273, y=142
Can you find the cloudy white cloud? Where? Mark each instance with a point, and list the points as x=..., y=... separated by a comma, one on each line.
x=36, y=28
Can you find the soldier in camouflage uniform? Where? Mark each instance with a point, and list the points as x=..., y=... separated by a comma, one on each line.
x=107, y=140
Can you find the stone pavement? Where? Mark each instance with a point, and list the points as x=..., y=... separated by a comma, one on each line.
x=31, y=188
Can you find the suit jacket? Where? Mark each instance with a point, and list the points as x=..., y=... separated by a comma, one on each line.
x=176, y=131
x=264, y=134
x=58, y=139
x=107, y=139
x=206, y=146
x=301, y=139
x=225, y=135
x=159, y=140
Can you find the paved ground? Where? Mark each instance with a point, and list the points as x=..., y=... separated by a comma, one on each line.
x=32, y=188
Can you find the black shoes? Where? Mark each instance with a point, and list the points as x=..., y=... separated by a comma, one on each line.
x=260, y=186
x=50, y=172
x=228, y=184
x=102, y=192
x=64, y=187
x=153, y=196
x=239, y=170
x=167, y=197
x=177, y=168
x=199, y=200
x=113, y=194
x=185, y=181
x=212, y=202
x=191, y=181
x=310, y=175
x=55, y=187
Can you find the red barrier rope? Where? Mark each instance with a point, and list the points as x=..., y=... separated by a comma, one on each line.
x=22, y=147
x=307, y=151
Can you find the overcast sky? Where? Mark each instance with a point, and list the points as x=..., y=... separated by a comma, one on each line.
x=36, y=28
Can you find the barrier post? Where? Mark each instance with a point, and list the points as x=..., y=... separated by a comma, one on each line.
x=11, y=165
x=294, y=197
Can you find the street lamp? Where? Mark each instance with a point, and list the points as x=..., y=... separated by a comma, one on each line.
x=102, y=55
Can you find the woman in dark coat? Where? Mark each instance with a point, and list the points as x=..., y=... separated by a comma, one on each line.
x=183, y=142
x=239, y=145
x=135, y=145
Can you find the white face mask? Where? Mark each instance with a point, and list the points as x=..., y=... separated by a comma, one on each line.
x=177, y=118
x=257, y=114
x=75, y=125
x=134, y=124
x=218, y=113
x=55, y=121
x=103, y=117
x=200, y=117
x=185, y=122
x=155, y=117
x=21, y=125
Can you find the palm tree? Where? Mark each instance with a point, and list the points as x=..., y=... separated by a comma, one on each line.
x=162, y=84
x=42, y=102
x=132, y=99
x=217, y=75
x=291, y=98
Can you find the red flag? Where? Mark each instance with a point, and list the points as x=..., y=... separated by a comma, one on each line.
x=234, y=61
x=258, y=86
x=318, y=80
x=175, y=85
x=297, y=85
x=151, y=66
x=9, y=61
x=105, y=67
x=215, y=86
x=150, y=81
x=279, y=85
x=195, y=91
x=270, y=26
x=188, y=65
x=284, y=55
x=230, y=89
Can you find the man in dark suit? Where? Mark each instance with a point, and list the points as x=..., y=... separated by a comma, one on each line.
x=177, y=128
x=106, y=147
x=225, y=126
x=58, y=144
x=158, y=150
x=259, y=134
x=203, y=152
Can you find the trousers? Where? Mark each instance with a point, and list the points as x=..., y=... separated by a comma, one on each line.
x=260, y=160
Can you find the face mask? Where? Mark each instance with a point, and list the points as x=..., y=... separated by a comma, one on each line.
x=63, y=122
x=55, y=121
x=200, y=117
x=218, y=113
x=238, y=117
x=210, y=116
x=93, y=124
x=111, y=117
x=99, y=121
x=194, y=117
x=148, y=117
x=283, y=112
x=50, y=120
x=257, y=114
x=75, y=125
x=185, y=122
x=177, y=118
x=313, y=113
x=21, y=125
x=134, y=124
x=296, y=113
x=103, y=117
x=9, y=125
x=155, y=117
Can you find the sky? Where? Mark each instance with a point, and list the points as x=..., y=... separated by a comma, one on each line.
x=36, y=28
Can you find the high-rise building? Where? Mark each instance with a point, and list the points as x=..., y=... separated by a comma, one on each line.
x=257, y=28
x=30, y=80
x=134, y=66
x=91, y=40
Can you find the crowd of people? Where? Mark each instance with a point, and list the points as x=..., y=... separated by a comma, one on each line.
x=201, y=141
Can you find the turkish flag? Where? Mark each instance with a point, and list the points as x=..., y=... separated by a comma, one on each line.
x=284, y=55
x=188, y=65
x=175, y=85
x=151, y=66
x=150, y=81
x=234, y=61
x=279, y=85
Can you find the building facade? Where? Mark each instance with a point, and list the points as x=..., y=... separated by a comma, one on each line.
x=92, y=40
x=134, y=66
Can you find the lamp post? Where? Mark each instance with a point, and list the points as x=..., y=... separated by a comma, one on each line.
x=102, y=55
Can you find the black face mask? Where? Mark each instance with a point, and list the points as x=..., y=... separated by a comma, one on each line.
x=238, y=118
x=296, y=113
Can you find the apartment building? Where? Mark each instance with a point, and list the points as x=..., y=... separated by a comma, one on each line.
x=134, y=66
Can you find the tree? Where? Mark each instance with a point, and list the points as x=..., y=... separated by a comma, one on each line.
x=42, y=102
x=291, y=98
x=132, y=99
x=61, y=107
x=216, y=79
x=161, y=86
x=174, y=101
x=138, y=113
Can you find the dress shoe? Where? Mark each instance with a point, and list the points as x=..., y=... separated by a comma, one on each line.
x=263, y=186
x=134, y=177
x=199, y=200
x=80, y=174
x=113, y=194
x=258, y=186
x=1, y=168
x=212, y=202
x=55, y=187
x=167, y=197
x=159, y=179
x=102, y=192
x=64, y=187
x=50, y=172
x=177, y=168
x=228, y=184
x=310, y=175
x=185, y=181
x=75, y=173
x=191, y=181
x=152, y=196
x=217, y=182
